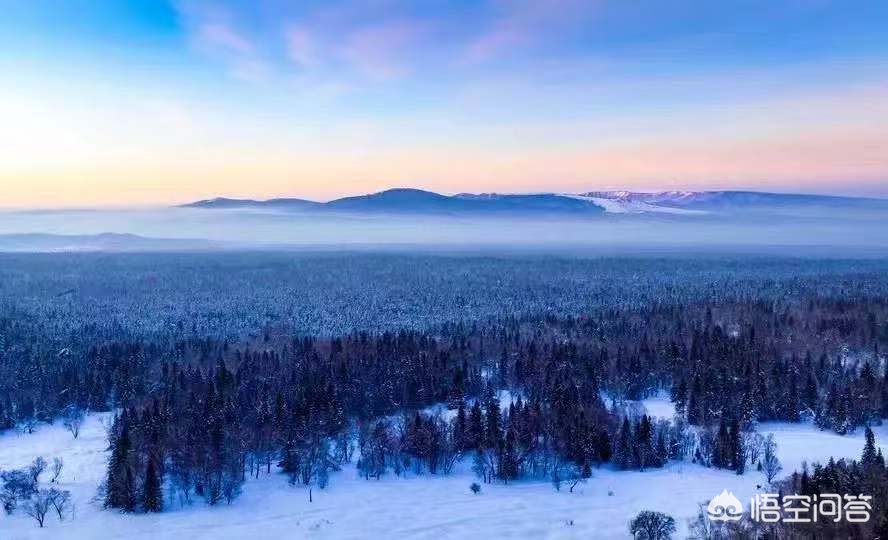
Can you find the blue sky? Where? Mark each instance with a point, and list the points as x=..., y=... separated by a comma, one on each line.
x=142, y=102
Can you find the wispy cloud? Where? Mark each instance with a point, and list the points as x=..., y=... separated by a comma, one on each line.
x=302, y=47
x=522, y=24
x=214, y=30
x=221, y=34
x=383, y=51
x=347, y=42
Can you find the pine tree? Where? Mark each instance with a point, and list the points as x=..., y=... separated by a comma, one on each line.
x=679, y=396
x=5, y=418
x=603, y=445
x=748, y=407
x=719, y=445
x=868, y=395
x=460, y=428
x=644, y=449
x=456, y=391
x=809, y=395
x=120, y=483
x=662, y=448
x=475, y=430
x=805, y=483
x=793, y=404
x=152, y=495
x=493, y=422
x=738, y=456
x=869, y=457
x=509, y=458
x=623, y=451
x=885, y=394
x=696, y=403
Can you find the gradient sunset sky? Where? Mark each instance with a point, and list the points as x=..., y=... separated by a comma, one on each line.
x=109, y=102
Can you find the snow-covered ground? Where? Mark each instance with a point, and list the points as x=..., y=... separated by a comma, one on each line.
x=416, y=507
x=659, y=407
x=627, y=205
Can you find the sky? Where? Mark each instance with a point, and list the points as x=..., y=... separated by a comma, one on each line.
x=109, y=103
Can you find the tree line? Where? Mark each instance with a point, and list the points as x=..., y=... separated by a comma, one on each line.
x=526, y=395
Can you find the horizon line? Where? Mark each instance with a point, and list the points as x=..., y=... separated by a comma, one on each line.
x=263, y=199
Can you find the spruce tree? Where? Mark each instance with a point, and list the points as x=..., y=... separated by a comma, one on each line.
x=738, y=456
x=644, y=449
x=603, y=445
x=509, y=458
x=120, y=483
x=475, y=430
x=460, y=428
x=662, y=449
x=885, y=394
x=721, y=455
x=869, y=457
x=623, y=450
x=493, y=423
x=152, y=495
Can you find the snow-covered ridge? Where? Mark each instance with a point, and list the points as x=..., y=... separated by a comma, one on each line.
x=411, y=200
x=656, y=196
x=627, y=203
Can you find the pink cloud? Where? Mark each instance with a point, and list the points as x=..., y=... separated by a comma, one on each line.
x=382, y=51
x=219, y=34
x=525, y=23
x=503, y=37
x=301, y=47
x=213, y=31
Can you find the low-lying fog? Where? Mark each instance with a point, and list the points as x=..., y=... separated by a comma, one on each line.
x=829, y=234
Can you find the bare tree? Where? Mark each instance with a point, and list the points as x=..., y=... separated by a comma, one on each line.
x=60, y=501
x=702, y=528
x=565, y=471
x=752, y=446
x=56, y=469
x=73, y=419
x=771, y=466
x=38, y=506
x=28, y=424
x=36, y=468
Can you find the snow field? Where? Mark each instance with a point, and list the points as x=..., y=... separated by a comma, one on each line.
x=423, y=506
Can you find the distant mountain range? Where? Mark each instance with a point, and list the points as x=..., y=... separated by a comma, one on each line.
x=40, y=242
x=607, y=221
x=416, y=201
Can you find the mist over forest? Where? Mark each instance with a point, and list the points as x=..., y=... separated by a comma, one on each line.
x=817, y=231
